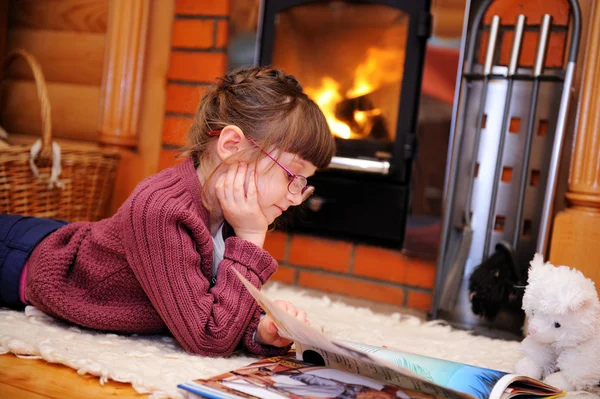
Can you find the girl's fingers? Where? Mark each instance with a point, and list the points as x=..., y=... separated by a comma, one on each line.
x=251, y=195
x=229, y=179
x=282, y=304
x=301, y=315
x=272, y=328
x=238, y=184
x=220, y=188
x=293, y=311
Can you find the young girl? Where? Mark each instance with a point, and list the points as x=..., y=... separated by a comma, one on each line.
x=166, y=259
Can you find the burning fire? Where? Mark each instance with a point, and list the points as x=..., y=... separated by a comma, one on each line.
x=381, y=67
x=326, y=97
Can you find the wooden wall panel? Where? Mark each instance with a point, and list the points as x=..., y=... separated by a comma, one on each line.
x=74, y=109
x=67, y=57
x=3, y=25
x=67, y=37
x=69, y=15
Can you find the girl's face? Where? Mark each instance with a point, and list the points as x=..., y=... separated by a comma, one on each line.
x=272, y=183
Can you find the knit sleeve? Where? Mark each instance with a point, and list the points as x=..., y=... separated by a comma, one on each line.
x=163, y=244
x=239, y=251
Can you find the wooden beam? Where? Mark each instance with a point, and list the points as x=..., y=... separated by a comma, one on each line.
x=3, y=27
x=154, y=90
x=74, y=109
x=124, y=64
x=576, y=230
x=60, y=15
x=135, y=166
x=58, y=52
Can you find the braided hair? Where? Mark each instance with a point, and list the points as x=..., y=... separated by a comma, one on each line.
x=269, y=106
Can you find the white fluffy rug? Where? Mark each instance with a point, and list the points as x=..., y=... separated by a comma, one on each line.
x=157, y=364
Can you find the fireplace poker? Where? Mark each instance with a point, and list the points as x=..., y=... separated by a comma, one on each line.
x=455, y=273
x=537, y=73
x=542, y=242
x=486, y=287
x=516, y=49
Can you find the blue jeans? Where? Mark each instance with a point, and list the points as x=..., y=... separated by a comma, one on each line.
x=18, y=237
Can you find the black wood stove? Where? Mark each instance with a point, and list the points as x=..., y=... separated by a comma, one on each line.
x=362, y=63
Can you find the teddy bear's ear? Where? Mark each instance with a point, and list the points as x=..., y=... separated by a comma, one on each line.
x=535, y=283
x=580, y=293
x=536, y=267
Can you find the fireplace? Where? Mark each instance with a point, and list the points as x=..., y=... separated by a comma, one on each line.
x=362, y=63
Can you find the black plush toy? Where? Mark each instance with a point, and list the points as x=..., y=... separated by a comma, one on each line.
x=495, y=284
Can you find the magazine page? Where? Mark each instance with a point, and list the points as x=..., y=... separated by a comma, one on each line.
x=436, y=377
x=347, y=358
x=475, y=381
x=478, y=382
x=285, y=377
x=517, y=385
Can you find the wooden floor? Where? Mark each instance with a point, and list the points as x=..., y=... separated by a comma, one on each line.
x=37, y=379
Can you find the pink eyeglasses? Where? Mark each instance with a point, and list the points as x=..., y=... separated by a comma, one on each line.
x=298, y=184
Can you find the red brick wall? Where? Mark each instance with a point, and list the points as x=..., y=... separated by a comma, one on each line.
x=362, y=271
x=198, y=57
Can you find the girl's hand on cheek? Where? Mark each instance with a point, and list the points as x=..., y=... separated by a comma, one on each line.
x=240, y=206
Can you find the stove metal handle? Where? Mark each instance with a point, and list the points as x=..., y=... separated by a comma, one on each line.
x=360, y=165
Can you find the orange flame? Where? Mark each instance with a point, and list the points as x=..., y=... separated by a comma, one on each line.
x=380, y=68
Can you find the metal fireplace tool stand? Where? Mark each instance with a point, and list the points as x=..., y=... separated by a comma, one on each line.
x=484, y=210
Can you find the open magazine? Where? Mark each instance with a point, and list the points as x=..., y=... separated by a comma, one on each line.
x=325, y=367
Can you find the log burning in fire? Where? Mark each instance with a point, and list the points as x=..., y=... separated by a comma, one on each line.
x=354, y=113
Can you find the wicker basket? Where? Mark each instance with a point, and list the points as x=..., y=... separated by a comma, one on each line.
x=67, y=182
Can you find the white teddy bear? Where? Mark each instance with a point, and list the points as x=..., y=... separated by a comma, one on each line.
x=563, y=345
